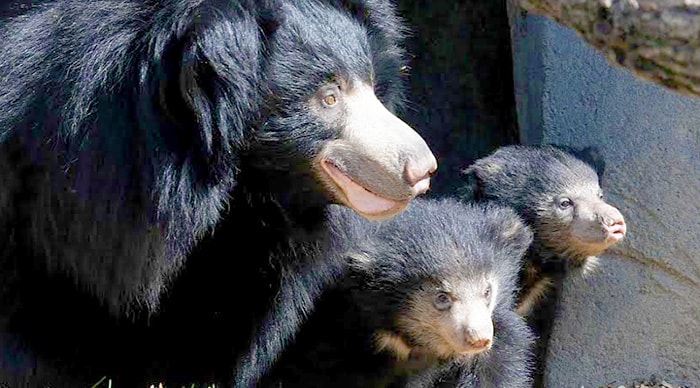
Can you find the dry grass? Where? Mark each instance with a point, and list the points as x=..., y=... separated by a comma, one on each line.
x=104, y=382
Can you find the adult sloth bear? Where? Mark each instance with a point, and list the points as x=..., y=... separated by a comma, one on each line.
x=130, y=130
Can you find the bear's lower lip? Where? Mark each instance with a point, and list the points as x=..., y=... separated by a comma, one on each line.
x=473, y=351
x=359, y=198
x=616, y=236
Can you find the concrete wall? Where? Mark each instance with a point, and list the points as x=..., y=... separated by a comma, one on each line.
x=639, y=314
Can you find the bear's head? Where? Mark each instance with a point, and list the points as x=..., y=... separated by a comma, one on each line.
x=299, y=99
x=557, y=191
x=334, y=81
x=430, y=278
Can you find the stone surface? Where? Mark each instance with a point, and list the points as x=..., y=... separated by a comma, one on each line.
x=639, y=314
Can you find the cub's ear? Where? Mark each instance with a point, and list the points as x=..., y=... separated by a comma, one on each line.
x=518, y=235
x=593, y=157
x=508, y=229
x=348, y=236
x=590, y=155
x=472, y=188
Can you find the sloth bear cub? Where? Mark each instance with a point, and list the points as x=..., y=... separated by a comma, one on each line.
x=427, y=296
x=557, y=191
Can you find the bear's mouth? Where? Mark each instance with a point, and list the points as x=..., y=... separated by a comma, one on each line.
x=358, y=197
x=615, y=233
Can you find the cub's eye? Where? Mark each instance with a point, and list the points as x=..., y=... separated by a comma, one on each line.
x=442, y=301
x=600, y=195
x=565, y=203
x=330, y=100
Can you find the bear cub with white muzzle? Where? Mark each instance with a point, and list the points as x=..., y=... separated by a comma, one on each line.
x=557, y=191
x=426, y=297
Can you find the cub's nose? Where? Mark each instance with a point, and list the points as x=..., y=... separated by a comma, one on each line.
x=615, y=225
x=480, y=344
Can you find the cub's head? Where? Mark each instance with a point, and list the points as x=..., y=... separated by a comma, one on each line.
x=557, y=190
x=447, y=317
x=433, y=277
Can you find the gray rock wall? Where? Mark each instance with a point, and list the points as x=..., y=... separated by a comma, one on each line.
x=639, y=314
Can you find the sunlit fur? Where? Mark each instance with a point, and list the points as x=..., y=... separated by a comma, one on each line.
x=386, y=341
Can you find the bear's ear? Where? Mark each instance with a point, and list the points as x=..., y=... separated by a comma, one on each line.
x=207, y=71
x=379, y=15
x=387, y=31
x=269, y=16
x=509, y=230
x=472, y=188
x=590, y=155
x=518, y=234
x=593, y=157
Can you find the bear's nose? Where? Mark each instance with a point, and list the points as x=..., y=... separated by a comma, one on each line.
x=417, y=172
x=614, y=222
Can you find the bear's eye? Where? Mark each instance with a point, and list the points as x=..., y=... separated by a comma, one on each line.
x=442, y=301
x=329, y=100
x=600, y=194
x=565, y=203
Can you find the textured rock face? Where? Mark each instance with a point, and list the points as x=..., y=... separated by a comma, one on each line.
x=639, y=314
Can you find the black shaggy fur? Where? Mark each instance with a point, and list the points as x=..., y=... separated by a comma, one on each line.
x=529, y=179
x=137, y=134
x=389, y=261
